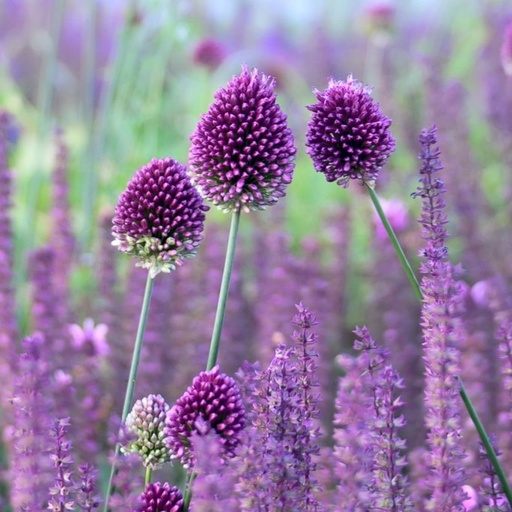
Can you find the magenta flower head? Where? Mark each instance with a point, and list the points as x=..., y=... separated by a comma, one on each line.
x=213, y=402
x=242, y=153
x=348, y=136
x=159, y=217
x=159, y=497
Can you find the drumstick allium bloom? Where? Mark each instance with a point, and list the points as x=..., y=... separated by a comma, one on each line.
x=159, y=217
x=145, y=424
x=242, y=153
x=212, y=402
x=159, y=497
x=348, y=136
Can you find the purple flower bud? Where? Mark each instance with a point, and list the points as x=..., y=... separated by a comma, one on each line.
x=159, y=217
x=160, y=498
x=212, y=402
x=146, y=422
x=209, y=53
x=242, y=149
x=348, y=136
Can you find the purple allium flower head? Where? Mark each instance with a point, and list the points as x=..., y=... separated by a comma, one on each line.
x=159, y=217
x=146, y=423
x=209, y=53
x=212, y=402
x=348, y=136
x=242, y=149
x=159, y=497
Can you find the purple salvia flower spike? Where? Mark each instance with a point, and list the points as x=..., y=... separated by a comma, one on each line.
x=8, y=327
x=348, y=136
x=352, y=413
x=62, y=492
x=62, y=238
x=442, y=332
x=159, y=217
x=212, y=402
x=29, y=473
x=87, y=498
x=159, y=497
x=279, y=456
x=242, y=150
x=389, y=486
x=215, y=482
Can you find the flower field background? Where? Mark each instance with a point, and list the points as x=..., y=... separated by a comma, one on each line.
x=342, y=387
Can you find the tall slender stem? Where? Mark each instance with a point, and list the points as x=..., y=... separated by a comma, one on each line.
x=464, y=396
x=396, y=244
x=219, y=320
x=130, y=387
x=485, y=441
x=224, y=291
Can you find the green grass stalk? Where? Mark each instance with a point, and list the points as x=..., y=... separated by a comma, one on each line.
x=130, y=387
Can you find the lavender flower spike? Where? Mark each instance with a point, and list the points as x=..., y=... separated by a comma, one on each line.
x=348, y=136
x=159, y=497
x=242, y=150
x=159, y=217
x=212, y=402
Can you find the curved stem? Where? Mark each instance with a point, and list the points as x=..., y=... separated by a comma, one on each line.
x=396, y=244
x=224, y=291
x=491, y=453
x=130, y=387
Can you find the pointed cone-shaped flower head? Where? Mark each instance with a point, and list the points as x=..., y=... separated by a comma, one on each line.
x=145, y=429
x=242, y=153
x=159, y=497
x=159, y=217
x=212, y=402
x=348, y=136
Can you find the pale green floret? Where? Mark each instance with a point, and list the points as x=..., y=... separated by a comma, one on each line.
x=155, y=255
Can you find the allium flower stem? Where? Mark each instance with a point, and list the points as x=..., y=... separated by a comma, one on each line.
x=491, y=453
x=133, y=375
x=147, y=477
x=188, y=490
x=396, y=244
x=224, y=290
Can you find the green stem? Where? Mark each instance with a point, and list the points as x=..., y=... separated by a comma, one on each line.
x=188, y=491
x=224, y=291
x=219, y=320
x=147, y=478
x=465, y=398
x=485, y=441
x=130, y=387
x=396, y=244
